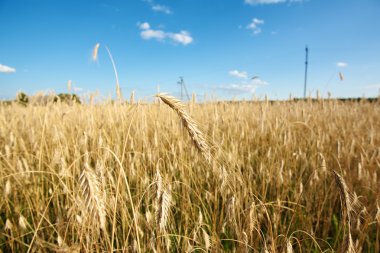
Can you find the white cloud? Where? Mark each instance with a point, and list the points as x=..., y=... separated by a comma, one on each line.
x=258, y=2
x=78, y=89
x=153, y=34
x=144, y=26
x=238, y=74
x=158, y=7
x=244, y=87
x=6, y=69
x=147, y=33
x=255, y=2
x=254, y=25
x=182, y=37
x=341, y=64
x=161, y=8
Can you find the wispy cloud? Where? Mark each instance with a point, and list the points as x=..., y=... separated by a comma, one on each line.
x=6, y=69
x=183, y=37
x=144, y=26
x=159, y=7
x=147, y=33
x=238, y=74
x=341, y=64
x=244, y=87
x=255, y=25
x=259, y=2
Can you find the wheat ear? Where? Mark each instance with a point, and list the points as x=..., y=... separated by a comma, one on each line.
x=195, y=134
x=289, y=247
x=346, y=202
x=163, y=201
x=93, y=197
x=163, y=206
x=95, y=52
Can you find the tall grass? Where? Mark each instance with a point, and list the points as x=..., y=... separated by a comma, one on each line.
x=137, y=178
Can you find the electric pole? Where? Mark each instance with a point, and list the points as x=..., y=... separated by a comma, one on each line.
x=180, y=82
x=183, y=88
x=306, y=63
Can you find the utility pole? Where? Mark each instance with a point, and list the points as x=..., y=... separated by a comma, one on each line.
x=180, y=82
x=306, y=63
x=183, y=87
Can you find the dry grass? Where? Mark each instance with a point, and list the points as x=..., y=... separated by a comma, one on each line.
x=137, y=178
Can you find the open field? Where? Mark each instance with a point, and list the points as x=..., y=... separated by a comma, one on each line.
x=128, y=178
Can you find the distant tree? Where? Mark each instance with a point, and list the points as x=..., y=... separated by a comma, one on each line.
x=67, y=98
x=41, y=99
x=22, y=98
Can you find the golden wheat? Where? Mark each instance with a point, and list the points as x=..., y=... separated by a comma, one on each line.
x=119, y=177
x=347, y=210
x=95, y=52
x=93, y=197
x=196, y=135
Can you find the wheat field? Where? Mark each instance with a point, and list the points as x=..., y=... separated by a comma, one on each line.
x=290, y=176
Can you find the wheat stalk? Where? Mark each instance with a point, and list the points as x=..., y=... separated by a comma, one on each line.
x=22, y=222
x=7, y=189
x=93, y=197
x=207, y=240
x=163, y=207
x=346, y=202
x=8, y=225
x=95, y=58
x=69, y=82
x=95, y=52
x=289, y=247
x=195, y=134
x=132, y=98
x=163, y=202
x=118, y=90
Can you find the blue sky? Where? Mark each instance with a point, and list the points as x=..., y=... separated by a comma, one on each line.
x=216, y=45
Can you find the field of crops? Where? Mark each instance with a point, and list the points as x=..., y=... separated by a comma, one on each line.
x=293, y=176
